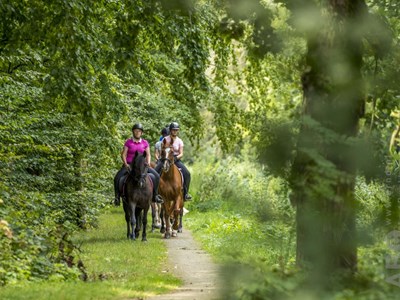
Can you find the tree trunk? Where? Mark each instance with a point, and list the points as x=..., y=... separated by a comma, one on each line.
x=323, y=173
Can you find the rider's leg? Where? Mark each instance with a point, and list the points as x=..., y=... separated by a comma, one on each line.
x=158, y=167
x=186, y=180
x=155, y=177
x=117, y=178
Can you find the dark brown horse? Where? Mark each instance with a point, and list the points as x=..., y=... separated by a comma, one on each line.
x=138, y=192
x=171, y=189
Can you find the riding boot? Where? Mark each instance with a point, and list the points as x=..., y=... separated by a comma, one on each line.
x=117, y=201
x=186, y=195
x=158, y=199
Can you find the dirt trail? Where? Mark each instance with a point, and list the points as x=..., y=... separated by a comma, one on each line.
x=194, y=266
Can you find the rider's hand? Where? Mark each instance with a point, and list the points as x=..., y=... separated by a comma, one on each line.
x=128, y=167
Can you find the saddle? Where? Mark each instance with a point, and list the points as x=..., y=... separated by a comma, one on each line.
x=122, y=181
x=121, y=184
x=183, y=181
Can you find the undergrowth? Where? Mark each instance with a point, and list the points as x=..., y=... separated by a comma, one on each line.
x=113, y=267
x=244, y=218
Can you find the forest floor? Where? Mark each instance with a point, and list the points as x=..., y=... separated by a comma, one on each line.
x=201, y=276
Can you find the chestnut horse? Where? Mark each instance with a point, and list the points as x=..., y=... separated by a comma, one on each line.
x=138, y=192
x=171, y=189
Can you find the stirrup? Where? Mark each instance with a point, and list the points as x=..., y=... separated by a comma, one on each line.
x=188, y=197
x=117, y=202
x=158, y=199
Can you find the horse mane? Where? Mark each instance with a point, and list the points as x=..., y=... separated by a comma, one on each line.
x=137, y=155
x=134, y=162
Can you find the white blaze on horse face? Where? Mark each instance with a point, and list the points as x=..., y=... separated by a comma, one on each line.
x=166, y=165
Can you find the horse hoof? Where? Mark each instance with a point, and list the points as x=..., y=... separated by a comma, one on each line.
x=167, y=235
x=180, y=230
x=162, y=230
x=174, y=234
x=144, y=240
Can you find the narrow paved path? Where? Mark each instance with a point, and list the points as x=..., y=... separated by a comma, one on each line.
x=199, y=273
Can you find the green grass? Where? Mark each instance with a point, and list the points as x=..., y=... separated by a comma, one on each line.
x=259, y=259
x=117, y=268
x=272, y=243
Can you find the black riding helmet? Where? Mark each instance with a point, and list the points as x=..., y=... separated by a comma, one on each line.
x=173, y=125
x=138, y=126
x=165, y=131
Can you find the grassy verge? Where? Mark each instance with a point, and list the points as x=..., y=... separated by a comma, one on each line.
x=259, y=260
x=232, y=237
x=116, y=267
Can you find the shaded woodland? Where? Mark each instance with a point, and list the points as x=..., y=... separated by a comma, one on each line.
x=305, y=93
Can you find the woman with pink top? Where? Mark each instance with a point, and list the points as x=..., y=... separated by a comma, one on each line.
x=133, y=144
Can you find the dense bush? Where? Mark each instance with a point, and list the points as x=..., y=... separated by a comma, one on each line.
x=53, y=182
x=36, y=230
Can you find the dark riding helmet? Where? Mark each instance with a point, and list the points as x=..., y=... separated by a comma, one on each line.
x=138, y=126
x=165, y=131
x=173, y=125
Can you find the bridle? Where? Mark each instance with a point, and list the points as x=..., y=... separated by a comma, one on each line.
x=166, y=162
x=140, y=178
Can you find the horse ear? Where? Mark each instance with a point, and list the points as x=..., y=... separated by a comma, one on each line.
x=136, y=153
x=144, y=154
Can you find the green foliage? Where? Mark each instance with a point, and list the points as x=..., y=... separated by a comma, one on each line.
x=255, y=241
x=109, y=268
x=35, y=247
x=373, y=206
x=275, y=146
x=74, y=76
x=239, y=183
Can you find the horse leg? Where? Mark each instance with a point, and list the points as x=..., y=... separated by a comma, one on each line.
x=180, y=221
x=158, y=213
x=144, y=224
x=154, y=216
x=162, y=229
x=127, y=220
x=176, y=219
x=176, y=214
x=167, y=224
x=138, y=214
x=133, y=220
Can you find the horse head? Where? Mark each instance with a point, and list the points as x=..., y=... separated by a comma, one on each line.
x=139, y=169
x=167, y=156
